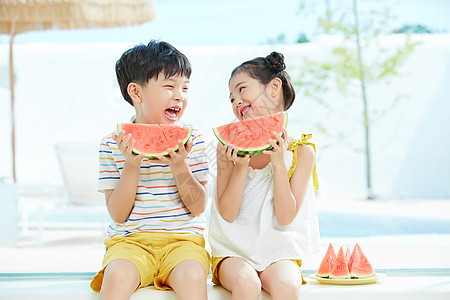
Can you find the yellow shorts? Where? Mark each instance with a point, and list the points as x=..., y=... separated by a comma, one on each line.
x=154, y=254
x=215, y=265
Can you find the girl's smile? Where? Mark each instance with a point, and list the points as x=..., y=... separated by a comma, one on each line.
x=250, y=98
x=244, y=110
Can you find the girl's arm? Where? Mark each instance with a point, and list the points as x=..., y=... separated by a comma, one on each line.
x=120, y=201
x=231, y=177
x=289, y=194
x=193, y=193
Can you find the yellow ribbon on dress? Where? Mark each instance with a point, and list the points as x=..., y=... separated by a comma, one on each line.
x=293, y=146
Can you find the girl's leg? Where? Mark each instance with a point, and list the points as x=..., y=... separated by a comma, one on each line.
x=188, y=280
x=282, y=280
x=238, y=277
x=120, y=280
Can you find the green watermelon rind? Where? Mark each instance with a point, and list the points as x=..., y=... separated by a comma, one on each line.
x=156, y=155
x=251, y=151
x=363, y=277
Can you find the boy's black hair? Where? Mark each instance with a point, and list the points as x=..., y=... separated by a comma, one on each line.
x=144, y=62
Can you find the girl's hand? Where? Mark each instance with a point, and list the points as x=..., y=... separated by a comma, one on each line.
x=125, y=143
x=178, y=157
x=231, y=155
x=279, y=149
x=221, y=153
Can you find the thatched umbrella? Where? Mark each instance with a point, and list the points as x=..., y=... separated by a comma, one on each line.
x=18, y=16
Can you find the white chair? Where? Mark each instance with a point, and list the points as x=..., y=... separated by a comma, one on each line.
x=78, y=205
x=79, y=168
x=78, y=163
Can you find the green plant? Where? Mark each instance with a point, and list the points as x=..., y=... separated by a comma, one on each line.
x=413, y=29
x=302, y=38
x=359, y=61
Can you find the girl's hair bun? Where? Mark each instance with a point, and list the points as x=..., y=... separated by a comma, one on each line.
x=275, y=61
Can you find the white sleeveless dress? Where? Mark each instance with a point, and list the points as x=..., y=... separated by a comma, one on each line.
x=255, y=234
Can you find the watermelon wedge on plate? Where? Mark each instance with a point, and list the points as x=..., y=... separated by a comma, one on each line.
x=360, y=266
x=347, y=256
x=327, y=263
x=340, y=269
x=154, y=139
x=346, y=269
x=251, y=136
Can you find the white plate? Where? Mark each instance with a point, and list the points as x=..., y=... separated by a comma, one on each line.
x=372, y=279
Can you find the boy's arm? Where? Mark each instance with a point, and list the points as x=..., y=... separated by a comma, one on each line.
x=231, y=178
x=120, y=201
x=192, y=192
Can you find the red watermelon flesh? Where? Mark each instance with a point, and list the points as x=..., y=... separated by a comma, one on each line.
x=352, y=258
x=340, y=269
x=347, y=256
x=360, y=265
x=154, y=139
x=327, y=263
x=252, y=136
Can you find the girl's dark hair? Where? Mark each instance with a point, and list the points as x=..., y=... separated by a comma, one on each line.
x=144, y=62
x=264, y=69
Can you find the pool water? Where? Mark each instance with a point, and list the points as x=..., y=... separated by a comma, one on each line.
x=341, y=224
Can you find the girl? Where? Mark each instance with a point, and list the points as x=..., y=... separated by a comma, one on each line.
x=263, y=218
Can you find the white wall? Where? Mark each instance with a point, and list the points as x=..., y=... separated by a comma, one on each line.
x=67, y=92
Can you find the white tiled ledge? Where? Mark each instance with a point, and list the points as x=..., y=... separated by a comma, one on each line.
x=391, y=287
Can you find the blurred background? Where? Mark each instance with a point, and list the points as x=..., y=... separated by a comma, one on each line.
x=372, y=83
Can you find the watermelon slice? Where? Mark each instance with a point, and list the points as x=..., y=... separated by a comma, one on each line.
x=351, y=259
x=360, y=266
x=347, y=256
x=251, y=136
x=153, y=139
x=340, y=269
x=327, y=263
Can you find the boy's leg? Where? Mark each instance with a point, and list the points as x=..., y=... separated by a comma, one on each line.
x=120, y=280
x=184, y=266
x=188, y=280
x=282, y=280
x=238, y=276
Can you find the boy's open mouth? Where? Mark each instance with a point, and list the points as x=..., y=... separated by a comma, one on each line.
x=172, y=113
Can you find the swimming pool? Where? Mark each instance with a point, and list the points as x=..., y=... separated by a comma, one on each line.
x=341, y=224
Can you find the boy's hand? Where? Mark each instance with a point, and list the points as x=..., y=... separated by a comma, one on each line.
x=177, y=157
x=279, y=149
x=125, y=143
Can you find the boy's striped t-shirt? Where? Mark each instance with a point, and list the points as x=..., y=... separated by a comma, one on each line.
x=158, y=206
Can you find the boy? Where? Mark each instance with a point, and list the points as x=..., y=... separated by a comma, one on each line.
x=156, y=205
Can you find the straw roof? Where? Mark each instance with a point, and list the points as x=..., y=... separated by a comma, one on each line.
x=31, y=15
x=18, y=16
